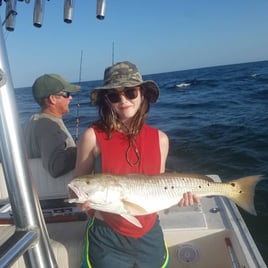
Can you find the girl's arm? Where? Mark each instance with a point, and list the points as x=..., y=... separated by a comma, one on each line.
x=87, y=152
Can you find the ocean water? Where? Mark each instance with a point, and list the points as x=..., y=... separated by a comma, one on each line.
x=216, y=119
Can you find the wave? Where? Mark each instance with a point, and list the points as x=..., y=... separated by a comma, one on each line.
x=183, y=85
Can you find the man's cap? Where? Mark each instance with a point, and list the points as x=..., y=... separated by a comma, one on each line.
x=121, y=75
x=49, y=84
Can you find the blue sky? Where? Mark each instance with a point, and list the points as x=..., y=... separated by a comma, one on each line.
x=157, y=35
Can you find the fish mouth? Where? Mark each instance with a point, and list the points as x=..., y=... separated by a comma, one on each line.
x=73, y=193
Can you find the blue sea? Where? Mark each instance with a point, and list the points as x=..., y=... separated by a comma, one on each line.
x=216, y=119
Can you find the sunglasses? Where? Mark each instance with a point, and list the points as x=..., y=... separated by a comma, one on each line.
x=64, y=94
x=130, y=93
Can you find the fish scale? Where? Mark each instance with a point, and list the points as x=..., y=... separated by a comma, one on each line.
x=167, y=191
x=176, y=186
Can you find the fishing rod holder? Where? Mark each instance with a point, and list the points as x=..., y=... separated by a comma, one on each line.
x=11, y=13
x=101, y=4
x=39, y=6
x=38, y=12
x=68, y=11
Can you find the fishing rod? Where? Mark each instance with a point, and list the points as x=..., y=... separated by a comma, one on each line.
x=77, y=120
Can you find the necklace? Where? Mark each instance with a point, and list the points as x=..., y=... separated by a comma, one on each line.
x=132, y=143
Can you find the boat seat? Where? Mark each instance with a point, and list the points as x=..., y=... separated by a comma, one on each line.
x=66, y=241
x=47, y=187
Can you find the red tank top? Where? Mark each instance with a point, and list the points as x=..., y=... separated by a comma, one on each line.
x=113, y=155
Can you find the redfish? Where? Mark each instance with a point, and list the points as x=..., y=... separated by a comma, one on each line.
x=136, y=194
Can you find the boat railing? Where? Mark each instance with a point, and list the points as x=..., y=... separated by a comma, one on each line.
x=30, y=237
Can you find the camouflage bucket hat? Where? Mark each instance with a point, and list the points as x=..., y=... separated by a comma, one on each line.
x=121, y=75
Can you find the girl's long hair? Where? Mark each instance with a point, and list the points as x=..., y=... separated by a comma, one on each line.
x=109, y=121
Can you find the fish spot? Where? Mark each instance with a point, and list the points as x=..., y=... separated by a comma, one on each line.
x=233, y=184
x=172, y=187
x=165, y=187
x=208, y=184
x=200, y=186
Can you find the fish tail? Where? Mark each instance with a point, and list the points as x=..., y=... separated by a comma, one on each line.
x=243, y=191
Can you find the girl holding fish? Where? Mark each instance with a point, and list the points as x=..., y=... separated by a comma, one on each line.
x=122, y=143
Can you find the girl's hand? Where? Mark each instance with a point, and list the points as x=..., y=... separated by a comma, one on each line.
x=85, y=206
x=189, y=199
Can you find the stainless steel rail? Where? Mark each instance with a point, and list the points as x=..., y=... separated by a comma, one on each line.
x=23, y=198
x=31, y=237
x=15, y=246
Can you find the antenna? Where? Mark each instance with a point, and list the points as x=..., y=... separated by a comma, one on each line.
x=77, y=120
x=113, y=53
x=80, y=69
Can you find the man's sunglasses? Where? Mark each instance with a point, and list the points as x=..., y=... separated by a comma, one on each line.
x=64, y=94
x=130, y=93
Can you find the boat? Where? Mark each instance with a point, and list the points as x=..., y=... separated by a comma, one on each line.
x=183, y=85
x=210, y=234
x=38, y=229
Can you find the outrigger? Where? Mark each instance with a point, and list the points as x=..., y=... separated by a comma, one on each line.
x=38, y=230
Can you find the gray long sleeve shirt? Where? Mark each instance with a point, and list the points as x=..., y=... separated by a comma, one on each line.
x=47, y=138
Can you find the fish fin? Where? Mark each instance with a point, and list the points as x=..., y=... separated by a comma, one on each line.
x=74, y=200
x=131, y=219
x=193, y=176
x=133, y=208
x=244, y=190
x=203, y=177
x=207, y=178
x=71, y=200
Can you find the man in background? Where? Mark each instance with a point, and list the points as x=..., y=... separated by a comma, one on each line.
x=46, y=135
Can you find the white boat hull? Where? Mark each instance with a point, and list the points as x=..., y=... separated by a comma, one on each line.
x=212, y=234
